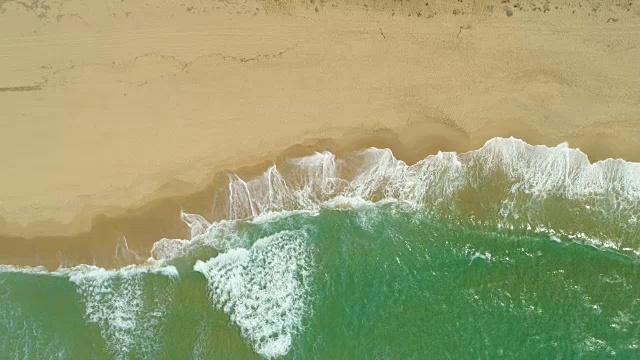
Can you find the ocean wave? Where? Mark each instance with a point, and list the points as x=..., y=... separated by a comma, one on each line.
x=506, y=184
x=261, y=278
x=375, y=174
x=264, y=289
x=114, y=300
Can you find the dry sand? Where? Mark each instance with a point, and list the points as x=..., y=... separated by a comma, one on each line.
x=113, y=114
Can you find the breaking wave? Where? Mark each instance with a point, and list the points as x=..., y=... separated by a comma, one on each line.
x=263, y=289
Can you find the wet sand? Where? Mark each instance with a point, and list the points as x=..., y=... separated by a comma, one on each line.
x=116, y=115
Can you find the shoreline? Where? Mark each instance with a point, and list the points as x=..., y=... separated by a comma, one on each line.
x=143, y=224
x=114, y=122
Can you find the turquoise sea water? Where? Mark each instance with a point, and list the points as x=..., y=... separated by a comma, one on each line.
x=511, y=251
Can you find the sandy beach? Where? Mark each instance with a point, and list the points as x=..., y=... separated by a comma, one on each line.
x=116, y=114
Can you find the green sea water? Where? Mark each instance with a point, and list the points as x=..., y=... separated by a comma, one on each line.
x=320, y=261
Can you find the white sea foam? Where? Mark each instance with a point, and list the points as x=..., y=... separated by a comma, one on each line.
x=24, y=269
x=264, y=289
x=266, y=217
x=128, y=318
x=529, y=174
x=196, y=223
x=343, y=202
x=376, y=174
x=221, y=236
x=169, y=248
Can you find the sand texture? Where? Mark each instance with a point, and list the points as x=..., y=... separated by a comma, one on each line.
x=114, y=114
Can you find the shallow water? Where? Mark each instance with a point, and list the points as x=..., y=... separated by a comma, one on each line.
x=511, y=251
